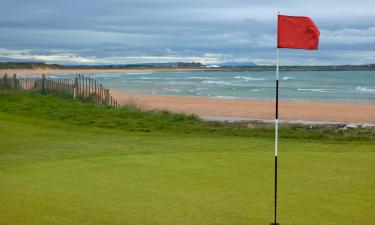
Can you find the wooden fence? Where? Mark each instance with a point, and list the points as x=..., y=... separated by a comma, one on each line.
x=81, y=87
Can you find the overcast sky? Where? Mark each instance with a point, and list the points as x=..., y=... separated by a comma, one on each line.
x=208, y=31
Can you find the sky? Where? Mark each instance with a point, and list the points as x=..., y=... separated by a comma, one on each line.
x=91, y=32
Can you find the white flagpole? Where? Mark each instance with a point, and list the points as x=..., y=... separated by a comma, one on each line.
x=276, y=129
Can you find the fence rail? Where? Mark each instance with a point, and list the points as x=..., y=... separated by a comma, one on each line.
x=81, y=87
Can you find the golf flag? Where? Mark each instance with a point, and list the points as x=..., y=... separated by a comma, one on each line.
x=297, y=32
x=292, y=32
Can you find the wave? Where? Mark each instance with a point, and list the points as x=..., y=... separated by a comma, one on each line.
x=106, y=76
x=365, y=89
x=316, y=89
x=200, y=78
x=160, y=78
x=172, y=89
x=248, y=78
x=149, y=78
x=138, y=73
x=175, y=82
x=226, y=97
x=287, y=78
x=216, y=82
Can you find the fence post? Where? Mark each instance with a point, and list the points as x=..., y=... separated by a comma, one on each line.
x=101, y=94
x=15, y=81
x=107, y=96
x=6, y=81
x=43, y=84
x=75, y=86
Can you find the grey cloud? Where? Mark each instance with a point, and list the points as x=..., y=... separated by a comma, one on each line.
x=239, y=29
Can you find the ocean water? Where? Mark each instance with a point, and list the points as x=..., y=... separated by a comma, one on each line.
x=331, y=86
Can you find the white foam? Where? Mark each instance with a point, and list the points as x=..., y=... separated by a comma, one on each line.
x=216, y=82
x=226, y=97
x=172, y=89
x=316, y=89
x=365, y=89
x=174, y=82
x=200, y=78
x=248, y=78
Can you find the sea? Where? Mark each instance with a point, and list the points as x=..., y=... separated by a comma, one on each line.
x=322, y=86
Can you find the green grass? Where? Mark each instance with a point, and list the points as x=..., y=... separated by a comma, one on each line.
x=57, y=169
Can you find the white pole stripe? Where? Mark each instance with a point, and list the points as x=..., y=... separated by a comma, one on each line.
x=276, y=136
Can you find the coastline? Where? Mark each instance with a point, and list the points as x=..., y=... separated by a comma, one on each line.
x=255, y=110
x=35, y=72
x=227, y=109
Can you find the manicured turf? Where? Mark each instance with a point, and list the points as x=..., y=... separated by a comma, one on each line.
x=58, y=172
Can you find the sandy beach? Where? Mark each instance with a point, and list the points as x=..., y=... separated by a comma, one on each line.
x=255, y=109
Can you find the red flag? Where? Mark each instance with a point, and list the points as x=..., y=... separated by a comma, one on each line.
x=297, y=32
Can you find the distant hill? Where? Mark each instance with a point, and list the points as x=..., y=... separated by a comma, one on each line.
x=29, y=65
x=228, y=66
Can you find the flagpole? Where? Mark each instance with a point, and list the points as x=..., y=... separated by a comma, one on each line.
x=276, y=130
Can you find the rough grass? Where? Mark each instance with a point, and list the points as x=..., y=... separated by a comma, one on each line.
x=64, y=170
x=130, y=118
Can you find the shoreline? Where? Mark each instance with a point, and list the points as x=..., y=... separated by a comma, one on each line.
x=35, y=72
x=228, y=109
x=254, y=110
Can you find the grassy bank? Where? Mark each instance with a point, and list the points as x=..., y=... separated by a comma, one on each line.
x=64, y=162
x=130, y=118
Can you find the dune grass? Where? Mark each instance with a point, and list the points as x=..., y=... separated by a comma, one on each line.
x=60, y=170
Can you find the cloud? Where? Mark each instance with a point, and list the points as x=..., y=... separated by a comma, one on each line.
x=129, y=30
x=349, y=36
x=60, y=56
